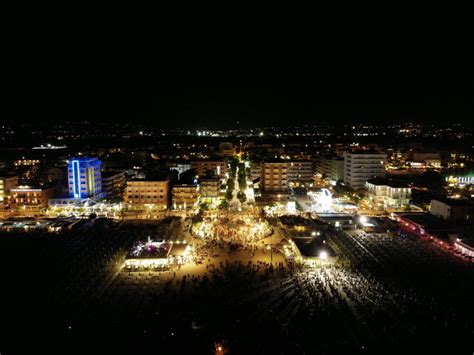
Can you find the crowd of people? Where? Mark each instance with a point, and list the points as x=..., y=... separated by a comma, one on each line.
x=241, y=229
x=391, y=291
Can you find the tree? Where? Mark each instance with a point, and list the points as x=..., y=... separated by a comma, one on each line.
x=223, y=204
x=241, y=196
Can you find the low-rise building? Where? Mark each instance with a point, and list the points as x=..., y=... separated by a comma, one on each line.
x=202, y=167
x=28, y=199
x=388, y=193
x=7, y=182
x=113, y=183
x=454, y=210
x=227, y=149
x=209, y=187
x=140, y=192
x=184, y=196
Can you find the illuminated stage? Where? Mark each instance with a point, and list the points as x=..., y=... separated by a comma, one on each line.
x=157, y=254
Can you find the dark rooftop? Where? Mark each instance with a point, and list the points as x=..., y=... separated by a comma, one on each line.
x=385, y=181
x=455, y=202
x=312, y=247
x=428, y=221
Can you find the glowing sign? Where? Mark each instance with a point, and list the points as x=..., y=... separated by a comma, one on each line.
x=76, y=184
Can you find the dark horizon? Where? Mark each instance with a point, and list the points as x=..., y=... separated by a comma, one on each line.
x=231, y=108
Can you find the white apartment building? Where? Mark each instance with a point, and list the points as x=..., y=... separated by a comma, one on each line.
x=388, y=194
x=362, y=166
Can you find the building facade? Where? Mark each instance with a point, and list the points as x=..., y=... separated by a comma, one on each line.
x=6, y=184
x=300, y=172
x=388, y=194
x=453, y=210
x=362, y=166
x=113, y=183
x=147, y=192
x=218, y=167
x=85, y=178
x=27, y=199
x=255, y=171
x=330, y=167
x=184, y=196
x=227, y=149
x=209, y=187
x=274, y=176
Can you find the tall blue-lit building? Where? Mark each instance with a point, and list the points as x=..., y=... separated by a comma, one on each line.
x=85, y=178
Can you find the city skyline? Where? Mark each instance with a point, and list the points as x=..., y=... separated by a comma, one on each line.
x=209, y=177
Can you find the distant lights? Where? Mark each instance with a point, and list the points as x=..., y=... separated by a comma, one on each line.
x=323, y=255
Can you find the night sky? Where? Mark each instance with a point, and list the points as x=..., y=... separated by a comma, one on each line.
x=224, y=66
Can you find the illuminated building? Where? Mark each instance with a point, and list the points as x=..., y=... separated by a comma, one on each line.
x=26, y=162
x=300, y=172
x=388, y=193
x=209, y=187
x=255, y=171
x=184, y=196
x=27, y=199
x=361, y=166
x=50, y=146
x=274, y=176
x=113, y=183
x=330, y=167
x=460, y=180
x=218, y=167
x=454, y=210
x=85, y=178
x=6, y=184
x=141, y=192
x=227, y=149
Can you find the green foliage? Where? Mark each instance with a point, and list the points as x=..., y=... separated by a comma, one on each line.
x=241, y=196
x=223, y=204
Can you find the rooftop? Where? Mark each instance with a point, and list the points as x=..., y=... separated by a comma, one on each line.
x=380, y=181
x=426, y=220
x=84, y=159
x=455, y=202
x=313, y=247
x=366, y=152
x=110, y=173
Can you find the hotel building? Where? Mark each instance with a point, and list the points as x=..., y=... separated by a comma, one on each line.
x=147, y=192
x=85, y=178
x=361, y=166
